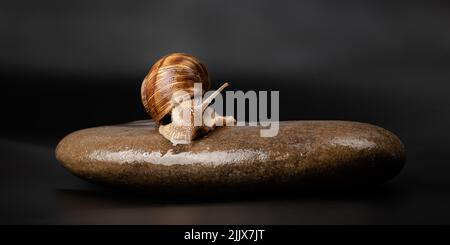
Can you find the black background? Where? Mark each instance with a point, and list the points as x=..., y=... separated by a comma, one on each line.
x=67, y=65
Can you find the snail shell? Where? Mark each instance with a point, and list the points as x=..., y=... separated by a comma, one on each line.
x=172, y=73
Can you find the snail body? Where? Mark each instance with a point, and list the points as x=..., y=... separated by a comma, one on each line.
x=168, y=91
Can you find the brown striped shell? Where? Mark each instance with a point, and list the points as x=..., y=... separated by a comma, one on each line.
x=171, y=73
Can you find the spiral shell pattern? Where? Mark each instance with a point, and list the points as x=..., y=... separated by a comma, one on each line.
x=173, y=72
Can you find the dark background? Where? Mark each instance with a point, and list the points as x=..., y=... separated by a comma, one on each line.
x=67, y=65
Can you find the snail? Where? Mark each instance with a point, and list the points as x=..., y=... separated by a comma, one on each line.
x=169, y=95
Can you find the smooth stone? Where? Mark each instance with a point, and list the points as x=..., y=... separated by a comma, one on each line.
x=305, y=154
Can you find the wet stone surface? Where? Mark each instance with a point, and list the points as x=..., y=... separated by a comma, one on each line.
x=304, y=155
